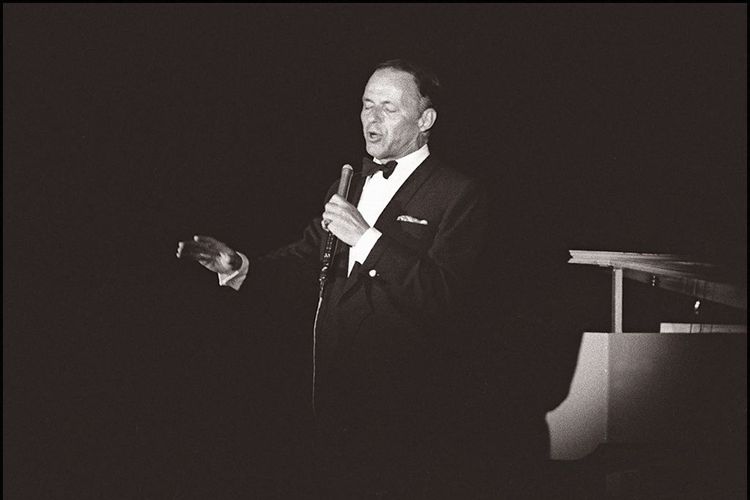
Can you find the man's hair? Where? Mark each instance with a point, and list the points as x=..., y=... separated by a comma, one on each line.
x=427, y=81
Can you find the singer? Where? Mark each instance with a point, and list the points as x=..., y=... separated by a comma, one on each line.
x=410, y=234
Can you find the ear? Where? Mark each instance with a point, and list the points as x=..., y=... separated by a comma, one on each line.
x=427, y=120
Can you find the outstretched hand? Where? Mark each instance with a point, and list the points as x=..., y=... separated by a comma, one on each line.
x=210, y=253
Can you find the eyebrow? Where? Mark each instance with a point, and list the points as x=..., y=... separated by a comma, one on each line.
x=383, y=102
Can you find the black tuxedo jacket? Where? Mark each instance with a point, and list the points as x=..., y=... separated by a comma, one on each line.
x=384, y=332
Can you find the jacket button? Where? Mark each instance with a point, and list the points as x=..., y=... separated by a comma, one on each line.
x=373, y=273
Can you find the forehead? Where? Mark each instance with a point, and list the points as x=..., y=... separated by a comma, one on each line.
x=392, y=84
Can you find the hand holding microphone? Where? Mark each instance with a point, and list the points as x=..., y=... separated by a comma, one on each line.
x=341, y=218
x=343, y=221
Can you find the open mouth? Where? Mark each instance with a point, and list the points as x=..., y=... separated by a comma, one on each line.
x=373, y=136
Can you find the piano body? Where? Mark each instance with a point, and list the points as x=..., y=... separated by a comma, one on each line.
x=681, y=388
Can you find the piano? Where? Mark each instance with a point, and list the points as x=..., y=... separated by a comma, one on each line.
x=681, y=387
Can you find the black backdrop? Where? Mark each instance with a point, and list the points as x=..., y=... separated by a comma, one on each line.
x=129, y=127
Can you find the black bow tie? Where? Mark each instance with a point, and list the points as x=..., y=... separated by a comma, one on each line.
x=369, y=167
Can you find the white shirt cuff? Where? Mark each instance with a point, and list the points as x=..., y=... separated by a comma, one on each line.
x=362, y=249
x=236, y=278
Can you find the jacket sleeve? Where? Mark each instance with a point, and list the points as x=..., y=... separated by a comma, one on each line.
x=290, y=270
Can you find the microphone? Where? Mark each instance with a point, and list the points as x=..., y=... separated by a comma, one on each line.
x=331, y=240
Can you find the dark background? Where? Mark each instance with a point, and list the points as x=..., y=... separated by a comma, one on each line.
x=127, y=128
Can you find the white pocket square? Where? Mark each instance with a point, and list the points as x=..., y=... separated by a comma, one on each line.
x=409, y=218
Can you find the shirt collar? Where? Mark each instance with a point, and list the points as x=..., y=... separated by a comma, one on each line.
x=408, y=163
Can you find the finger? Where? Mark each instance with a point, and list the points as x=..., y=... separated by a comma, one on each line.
x=196, y=254
x=192, y=245
x=206, y=240
x=335, y=228
x=338, y=201
x=203, y=258
x=331, y=216
x=328, y=211
x=332, y=209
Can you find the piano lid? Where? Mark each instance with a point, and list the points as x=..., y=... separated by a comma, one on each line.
x=675, y=273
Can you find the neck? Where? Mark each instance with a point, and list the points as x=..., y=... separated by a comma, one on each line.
x=421, y=141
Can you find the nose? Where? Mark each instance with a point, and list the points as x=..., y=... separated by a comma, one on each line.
x=374, y=115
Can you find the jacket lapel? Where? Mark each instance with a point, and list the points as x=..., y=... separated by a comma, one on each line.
x=405, y=193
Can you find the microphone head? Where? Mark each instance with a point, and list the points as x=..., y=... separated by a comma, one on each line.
x=346, y=179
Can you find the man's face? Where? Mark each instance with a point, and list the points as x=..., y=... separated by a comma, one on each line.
x=391, y=114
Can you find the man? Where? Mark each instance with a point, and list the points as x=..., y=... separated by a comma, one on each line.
x=410, y=235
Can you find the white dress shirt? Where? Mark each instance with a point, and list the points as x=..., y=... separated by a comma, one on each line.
x=377, y=192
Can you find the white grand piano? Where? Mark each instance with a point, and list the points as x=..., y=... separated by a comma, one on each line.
x=686, y=382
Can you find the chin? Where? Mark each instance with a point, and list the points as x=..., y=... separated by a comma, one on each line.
x=373, y=150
